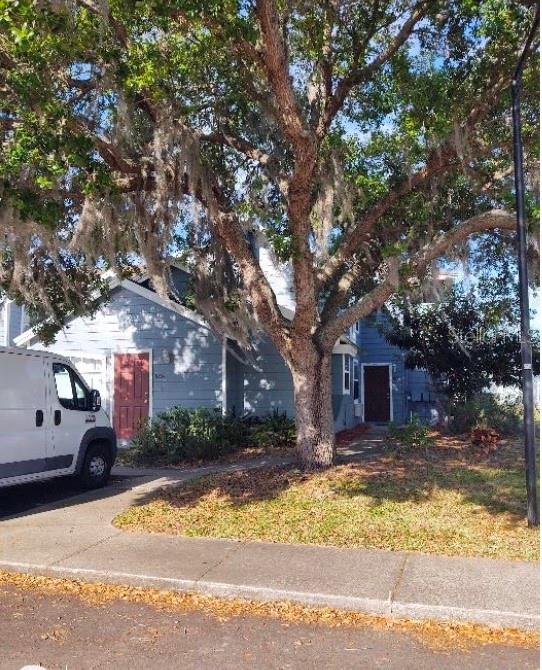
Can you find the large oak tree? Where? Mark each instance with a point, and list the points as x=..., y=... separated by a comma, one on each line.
x=365, y=140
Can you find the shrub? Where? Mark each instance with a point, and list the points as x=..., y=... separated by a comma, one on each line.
x=274, y=430
x=487, y=410
x=184, y=435
x=414, y=435
x=181, y=434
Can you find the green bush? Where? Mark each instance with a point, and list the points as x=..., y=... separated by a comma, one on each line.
x=489, y=411
x=274, y=430
x=413, y=435
x=184, y=435
x=181, y=434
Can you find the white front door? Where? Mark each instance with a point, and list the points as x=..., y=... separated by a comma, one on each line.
x=70, y=418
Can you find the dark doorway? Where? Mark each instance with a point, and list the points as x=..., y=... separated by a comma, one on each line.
x=376, y=385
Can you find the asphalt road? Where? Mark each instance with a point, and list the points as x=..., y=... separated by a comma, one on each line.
x=29, y=497
x=67, y=633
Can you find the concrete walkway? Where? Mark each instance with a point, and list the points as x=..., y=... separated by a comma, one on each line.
x=75, y=539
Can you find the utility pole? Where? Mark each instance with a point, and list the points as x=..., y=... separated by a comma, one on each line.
x=533, y=517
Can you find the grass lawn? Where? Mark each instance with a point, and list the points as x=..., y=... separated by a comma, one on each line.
x=458, y=503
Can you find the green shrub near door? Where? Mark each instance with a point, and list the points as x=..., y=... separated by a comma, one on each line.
x=182, y=435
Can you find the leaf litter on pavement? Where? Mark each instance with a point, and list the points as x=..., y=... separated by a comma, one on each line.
x=434, y=634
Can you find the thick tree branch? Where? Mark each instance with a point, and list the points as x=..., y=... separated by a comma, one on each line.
x=367, y=305
x=442, y=158
x=276, y=66
x=297, y=131
x=357, y=75
x=491, y=220
x=439, y=161
x=399, y=269
x=261, y=294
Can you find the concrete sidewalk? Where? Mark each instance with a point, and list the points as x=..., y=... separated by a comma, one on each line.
x=77, y=540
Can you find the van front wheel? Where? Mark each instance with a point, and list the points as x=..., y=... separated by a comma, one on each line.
x=96, y=467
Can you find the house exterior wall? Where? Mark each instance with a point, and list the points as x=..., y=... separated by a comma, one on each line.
x=411, y=389
x=278, y=274
x=344, y=408
x=186, y=357
x=269, y=387
x=375, y=349
x=422, y=400
x=187, y=362
x=234, y=390
x=13, y=322
x=3, y=319
x=17, y=323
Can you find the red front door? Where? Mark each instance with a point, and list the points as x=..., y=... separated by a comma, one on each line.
x=131, y=407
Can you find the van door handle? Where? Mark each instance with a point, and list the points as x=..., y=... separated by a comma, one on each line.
x=39, y=417
x=58, y=417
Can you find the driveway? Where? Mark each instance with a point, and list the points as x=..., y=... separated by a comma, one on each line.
x=28, y=498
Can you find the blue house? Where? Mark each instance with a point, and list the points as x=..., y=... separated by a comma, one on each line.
x=146, y=353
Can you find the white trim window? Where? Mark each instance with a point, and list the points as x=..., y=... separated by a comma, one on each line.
x=347, y=374
x=356, y=326
x=356, y=384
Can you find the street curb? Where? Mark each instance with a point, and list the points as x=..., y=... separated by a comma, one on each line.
x=386, y=608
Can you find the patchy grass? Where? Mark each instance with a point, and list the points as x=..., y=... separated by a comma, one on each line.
x=434, y=634
x=457, y=503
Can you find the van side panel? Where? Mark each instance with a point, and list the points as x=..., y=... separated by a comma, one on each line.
x=22, y=399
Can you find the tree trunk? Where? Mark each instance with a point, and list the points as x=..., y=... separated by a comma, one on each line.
x=311, y=374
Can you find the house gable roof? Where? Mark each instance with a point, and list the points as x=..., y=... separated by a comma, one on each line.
x=344, y=345
x=26, y=338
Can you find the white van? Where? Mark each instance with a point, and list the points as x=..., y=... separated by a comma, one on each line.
x=51, y=423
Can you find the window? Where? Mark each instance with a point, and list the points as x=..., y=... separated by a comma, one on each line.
x=356, y=326
x=71, y=392
x=356, y=382
x=346, y=374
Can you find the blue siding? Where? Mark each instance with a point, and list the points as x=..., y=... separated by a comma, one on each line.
x=411, y=389
x=3, y=323
x=422, y=399
x=186, y=357
x=12, y=322
x=375, y=349
x=271, y=386
x=187, y=361
x=343, y=403
x=235, y=398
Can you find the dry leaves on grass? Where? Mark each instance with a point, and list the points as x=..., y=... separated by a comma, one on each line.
x=453, y=506
x=438, y=635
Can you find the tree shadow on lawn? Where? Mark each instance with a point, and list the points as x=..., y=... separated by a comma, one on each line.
x=237, y=487
x=499, y=492
x=495, y=484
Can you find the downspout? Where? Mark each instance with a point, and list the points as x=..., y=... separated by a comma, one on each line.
x=224, y=377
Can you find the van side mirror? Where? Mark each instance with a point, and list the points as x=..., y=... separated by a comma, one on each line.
x=94, y=401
